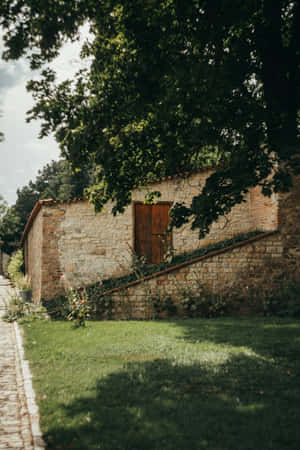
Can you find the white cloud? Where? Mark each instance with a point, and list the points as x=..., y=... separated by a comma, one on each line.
x=22, y=154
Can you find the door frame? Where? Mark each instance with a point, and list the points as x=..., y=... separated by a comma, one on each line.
x=139, y=202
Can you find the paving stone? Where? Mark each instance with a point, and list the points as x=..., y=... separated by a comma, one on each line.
x=15, y=425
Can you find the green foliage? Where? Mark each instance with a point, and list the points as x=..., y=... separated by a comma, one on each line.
x=18, y=310
x=3, y=206
x=23, y=282
x=283, y=300
x=162, y=304
x=15, y=266
x=62, y=308
x=79, y=306
x=170, y=86
x=101, y=305
x=10, y=231
x=58, y=307
x=205, y=305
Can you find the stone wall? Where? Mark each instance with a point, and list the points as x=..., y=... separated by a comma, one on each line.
x=256, y=263
x=69, y=238
x=234, y=270
x=33, y=256
x=51, y=271
x=289, y=222
x=94, y=246
x=264, y=210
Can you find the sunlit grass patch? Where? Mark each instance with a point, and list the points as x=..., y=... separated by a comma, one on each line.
x=186, y=384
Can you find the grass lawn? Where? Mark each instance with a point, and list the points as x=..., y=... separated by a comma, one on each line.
x=185, y=384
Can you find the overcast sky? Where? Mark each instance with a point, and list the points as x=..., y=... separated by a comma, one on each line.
x=22, y=154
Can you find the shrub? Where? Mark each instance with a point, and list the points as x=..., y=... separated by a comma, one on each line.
x=101, y=305
x=23, y=282
x=79, y=306
x=58, y=307
x=15, y=265
x=284, y=300
x=17, y=310
x=205, y=305
x=162, y=304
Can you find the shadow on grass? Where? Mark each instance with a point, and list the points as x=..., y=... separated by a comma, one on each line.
x=246, y=403
x=271, y=337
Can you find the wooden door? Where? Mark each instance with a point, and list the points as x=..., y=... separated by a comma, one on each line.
x=151, y=239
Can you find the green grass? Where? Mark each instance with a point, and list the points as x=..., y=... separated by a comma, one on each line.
x=185, y=384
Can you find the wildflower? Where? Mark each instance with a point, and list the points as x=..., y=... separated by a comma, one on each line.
x=100, y=284
x=83, y=301
x=63, y=277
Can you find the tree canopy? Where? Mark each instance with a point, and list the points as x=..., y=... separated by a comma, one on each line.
x=3, y=206
x=170, y=86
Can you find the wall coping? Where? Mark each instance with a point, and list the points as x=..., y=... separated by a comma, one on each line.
x=193, y=261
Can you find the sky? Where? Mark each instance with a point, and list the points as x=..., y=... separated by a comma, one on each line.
x=22, y=153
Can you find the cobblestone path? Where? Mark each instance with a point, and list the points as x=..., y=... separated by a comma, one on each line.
x=15, y=429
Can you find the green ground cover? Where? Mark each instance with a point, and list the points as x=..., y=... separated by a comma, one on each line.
x=185, y=384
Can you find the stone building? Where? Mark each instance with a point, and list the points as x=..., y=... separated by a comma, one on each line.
x=68, y=238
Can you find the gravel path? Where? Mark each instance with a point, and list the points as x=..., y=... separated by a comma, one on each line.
x=17, y=423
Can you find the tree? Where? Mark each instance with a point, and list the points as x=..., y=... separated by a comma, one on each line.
x=10, y=231
x=3, y=206
x=171, y=85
